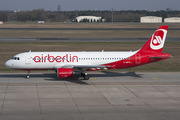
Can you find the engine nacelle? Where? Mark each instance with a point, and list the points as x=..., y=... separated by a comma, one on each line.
x=64, y=72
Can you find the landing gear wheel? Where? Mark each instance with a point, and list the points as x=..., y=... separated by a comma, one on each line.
x=86, y=77
x=82, y=74
x=27, y=76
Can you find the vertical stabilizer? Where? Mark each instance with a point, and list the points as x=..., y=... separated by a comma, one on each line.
x=156, y=42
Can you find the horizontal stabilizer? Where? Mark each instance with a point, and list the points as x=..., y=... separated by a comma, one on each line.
x=159, y=57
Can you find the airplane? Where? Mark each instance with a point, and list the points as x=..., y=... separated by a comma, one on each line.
x=67, y=64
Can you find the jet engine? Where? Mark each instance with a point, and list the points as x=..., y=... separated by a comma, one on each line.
x=64, y=72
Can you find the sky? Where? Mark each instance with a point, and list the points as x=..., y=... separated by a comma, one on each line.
x=71, y=5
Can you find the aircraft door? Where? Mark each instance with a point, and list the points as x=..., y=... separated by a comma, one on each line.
x=138, y=58
x=28, y=59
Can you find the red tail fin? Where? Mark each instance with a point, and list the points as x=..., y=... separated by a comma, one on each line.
x=156, y=42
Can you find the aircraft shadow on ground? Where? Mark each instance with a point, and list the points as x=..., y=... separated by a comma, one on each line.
x=118, y=74
x=53, y=76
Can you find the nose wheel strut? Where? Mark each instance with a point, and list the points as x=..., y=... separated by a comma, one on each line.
x=27, y=76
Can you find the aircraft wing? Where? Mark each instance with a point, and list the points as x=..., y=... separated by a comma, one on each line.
x=84, y=67
x=89, y=66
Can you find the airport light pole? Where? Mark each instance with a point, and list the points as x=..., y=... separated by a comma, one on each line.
x=112, y=14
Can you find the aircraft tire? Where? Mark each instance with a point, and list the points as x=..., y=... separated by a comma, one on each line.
x=86, y=77
x=27, y=76
x=82, y=74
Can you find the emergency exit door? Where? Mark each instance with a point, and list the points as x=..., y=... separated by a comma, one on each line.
x=28, y=60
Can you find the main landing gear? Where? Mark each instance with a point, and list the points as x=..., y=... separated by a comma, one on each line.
x=27, y=76
x=86, y=77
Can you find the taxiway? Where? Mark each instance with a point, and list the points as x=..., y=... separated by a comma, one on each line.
x=107, y=95
x=82, y=39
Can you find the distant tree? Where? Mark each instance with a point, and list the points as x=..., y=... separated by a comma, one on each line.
x=22, y=16
x=76, y=13
x=38, y=15
x=119, y=16
x=3, y=16
x=12, y=16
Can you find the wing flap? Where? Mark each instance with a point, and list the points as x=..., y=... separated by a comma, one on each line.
x=89, y=66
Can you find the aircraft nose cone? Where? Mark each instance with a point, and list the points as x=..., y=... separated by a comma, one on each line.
x=8, y=64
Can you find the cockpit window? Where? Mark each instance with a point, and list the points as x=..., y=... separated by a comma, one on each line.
x=15, y=58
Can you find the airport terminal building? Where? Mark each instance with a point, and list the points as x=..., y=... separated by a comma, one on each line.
x=154, y=19
x=172, y=20
x=88, y=19
x=151, y=19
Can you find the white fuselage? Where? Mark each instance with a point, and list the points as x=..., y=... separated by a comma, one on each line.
x=54, y=60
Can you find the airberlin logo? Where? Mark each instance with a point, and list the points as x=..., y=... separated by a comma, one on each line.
x=58, y=59
x=157, y=39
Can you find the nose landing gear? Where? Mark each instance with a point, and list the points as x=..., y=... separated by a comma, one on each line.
x=27, y=76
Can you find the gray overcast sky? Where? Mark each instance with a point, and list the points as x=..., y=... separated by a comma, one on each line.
x=68, y=5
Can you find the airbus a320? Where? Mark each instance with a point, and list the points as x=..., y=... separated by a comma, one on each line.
x=67, y=64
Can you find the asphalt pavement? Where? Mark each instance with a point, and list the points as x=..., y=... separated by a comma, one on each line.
x=106, y=96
